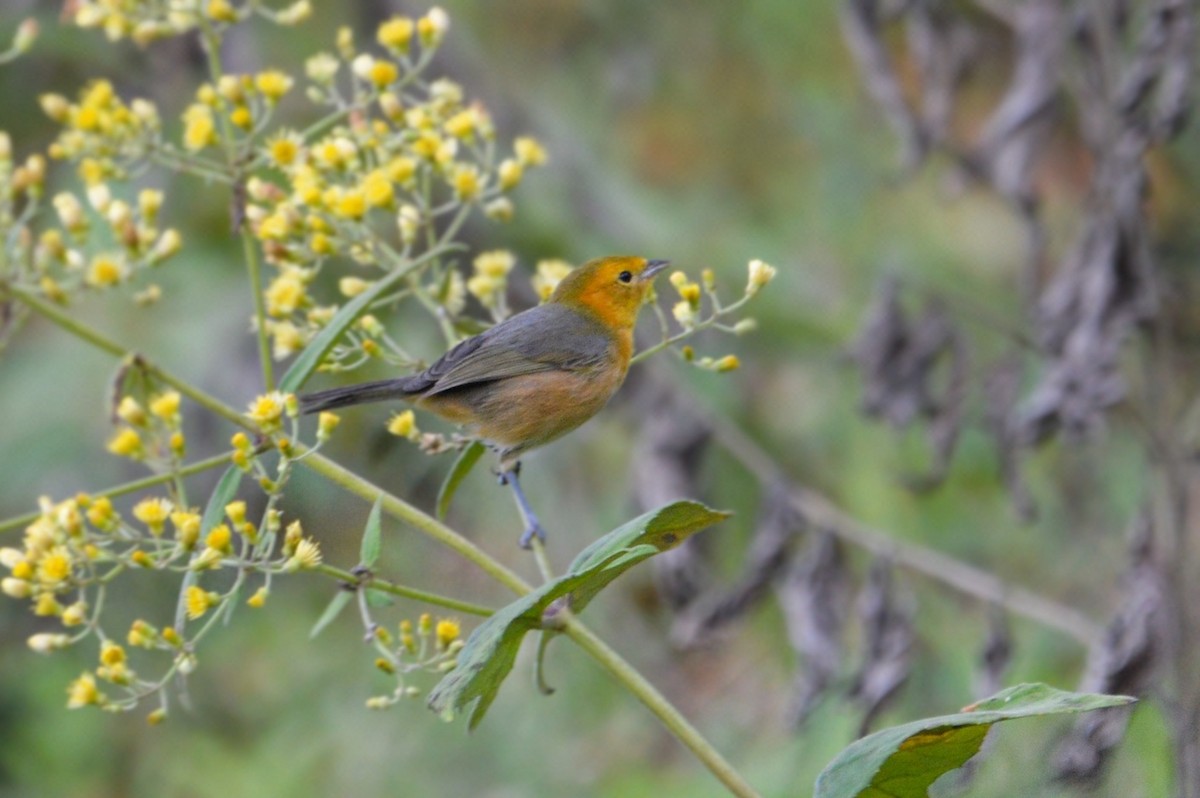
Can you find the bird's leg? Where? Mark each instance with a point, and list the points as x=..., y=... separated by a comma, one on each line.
x=511, y=477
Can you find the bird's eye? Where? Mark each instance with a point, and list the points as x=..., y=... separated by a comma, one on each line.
x=625, y=277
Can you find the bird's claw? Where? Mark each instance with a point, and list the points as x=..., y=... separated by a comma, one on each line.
x=534, y=528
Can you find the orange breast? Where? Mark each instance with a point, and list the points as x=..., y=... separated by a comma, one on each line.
x=521, y=413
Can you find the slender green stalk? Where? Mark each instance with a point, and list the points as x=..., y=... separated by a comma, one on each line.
x=543, y=560
x=676, y=723
x=212, y=49
x=396, y=507
x=131, y=487
x=375, y=583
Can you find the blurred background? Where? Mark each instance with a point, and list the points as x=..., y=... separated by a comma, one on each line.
x=709, y=133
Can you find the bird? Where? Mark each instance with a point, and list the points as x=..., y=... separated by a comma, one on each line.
x=533, y=377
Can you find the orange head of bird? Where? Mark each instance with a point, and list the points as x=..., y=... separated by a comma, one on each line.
x=612, y=289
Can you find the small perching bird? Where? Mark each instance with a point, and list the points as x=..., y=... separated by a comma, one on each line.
x=533, y=377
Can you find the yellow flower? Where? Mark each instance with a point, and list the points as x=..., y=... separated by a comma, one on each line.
x=684, y=313
x=273, y=227
x=83, y=692
x=153, y=513
x=462, y=124
x=760, y=274
x=221, y=11
x=219, y=538
x=187, y=528
x=199, y=128
x=529, y=151
x=283, y=149
x=351, y=204
x=268, y=409
x=75, y=614
x=510, y=173
x=433, y=26
x=447, y=632
x=321, y=68
x=496, y=263
x=273, y=84
x=259, y=598
x=352, y=286
x=166, y=406
x=130, y=411
x=377, y=189
x=286, y=339
x=242, y=117
x=396, y=33
x=198, y=601
x=326, y=423
x=236, y=512
x=54, y=567
x=307, y=556
x=467, y=182
x=100, y=514
x=126, y=443
x=549, y=274
x=105, y=271
x=403, y=425
x=727, y=363
x=286, y=293
x=383, y=73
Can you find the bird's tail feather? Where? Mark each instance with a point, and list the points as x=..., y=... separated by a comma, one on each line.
x=356, y=395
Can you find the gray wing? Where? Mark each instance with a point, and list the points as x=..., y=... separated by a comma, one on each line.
x=545, y=338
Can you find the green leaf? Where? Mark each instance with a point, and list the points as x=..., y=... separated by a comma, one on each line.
x=462, y=466
x=336, y=605
x=312, y=355
x=372, y=539
x=902, y=762
x=489, y=652
x=222, y=495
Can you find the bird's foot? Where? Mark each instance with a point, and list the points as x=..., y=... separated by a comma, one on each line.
x=534, y=528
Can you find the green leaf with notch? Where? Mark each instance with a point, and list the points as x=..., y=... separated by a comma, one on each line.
x=372, y=539
x=489, y=652
x=463, y=464
x=902, y=762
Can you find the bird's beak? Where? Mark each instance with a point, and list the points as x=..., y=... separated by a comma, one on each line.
x=653, y=267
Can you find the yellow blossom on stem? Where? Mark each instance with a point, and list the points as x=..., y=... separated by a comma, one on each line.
x=105, y=271
x=259, y=598
x=529, y=151
x=219, y=539
x=404, y=425
x=198, y=601
x=396, y=34
x=307, y=556
x=166, y=406
x=83, y=692
x=130, y=411
x=273, y=84
x=199, y=128
x=126, y=443
x=153, y=513
x=447, y=631
x=286, y=293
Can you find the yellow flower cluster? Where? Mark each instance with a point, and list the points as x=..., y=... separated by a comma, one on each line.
x=490, y=281
x=145, y=21
x=414, y=156
x=246, y=100
x=150, y=431
x=57, y=558
x=424, y=646
x=101, y=130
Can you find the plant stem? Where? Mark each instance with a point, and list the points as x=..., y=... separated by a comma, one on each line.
x=131, y=487
x=634, y=682
x=375, y=583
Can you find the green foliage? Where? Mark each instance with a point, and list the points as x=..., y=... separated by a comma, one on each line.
x=463, y=464
x=488, y=655
x=902, y=762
